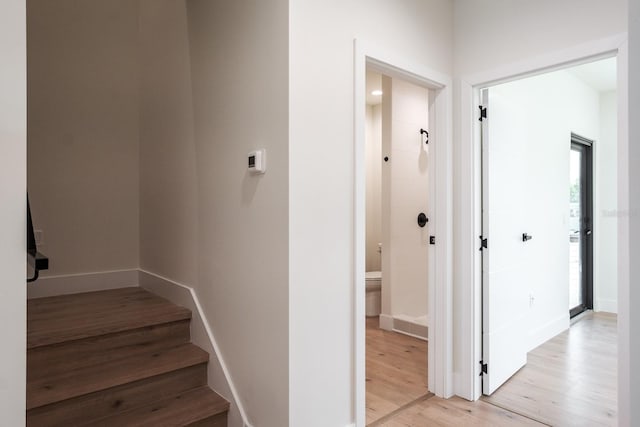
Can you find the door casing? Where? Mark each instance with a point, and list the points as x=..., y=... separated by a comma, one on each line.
x=440, y=293
x=469, y=302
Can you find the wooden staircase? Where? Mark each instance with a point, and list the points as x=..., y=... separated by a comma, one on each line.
x=120, y=357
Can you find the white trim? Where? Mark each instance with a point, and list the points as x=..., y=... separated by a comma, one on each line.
x=47, y=286
x=407, y=325
x=440, y=256
x=186, y=296
x=606, y=305
x=547, y=331
x=469, y=384
x=552, y=61
x=386, y=322
x=402, y=331
x=624, y=308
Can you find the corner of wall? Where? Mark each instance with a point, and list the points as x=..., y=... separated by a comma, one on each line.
x=201, y=334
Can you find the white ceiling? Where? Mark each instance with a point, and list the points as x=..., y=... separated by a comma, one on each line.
x=600, y=75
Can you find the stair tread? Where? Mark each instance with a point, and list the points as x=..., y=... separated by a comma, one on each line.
x=180, y=410
x=63, y=318
x=96, y=351
x=71, y=383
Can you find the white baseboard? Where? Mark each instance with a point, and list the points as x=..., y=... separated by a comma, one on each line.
x=386, y=322
x=201, y=335
x=606, y=305
x=547, y=331
x=84, y=282
x=404, y=325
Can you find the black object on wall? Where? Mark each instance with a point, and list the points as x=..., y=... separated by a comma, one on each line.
x=35, y=259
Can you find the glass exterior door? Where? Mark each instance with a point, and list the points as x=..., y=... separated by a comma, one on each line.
x=580, y=227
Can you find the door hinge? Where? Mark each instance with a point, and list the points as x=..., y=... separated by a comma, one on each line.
x=483, y=243
x=483, y=112
x=483, y=368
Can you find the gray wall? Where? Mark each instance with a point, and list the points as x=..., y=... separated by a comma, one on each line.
x=83, y=132
x=214, y=86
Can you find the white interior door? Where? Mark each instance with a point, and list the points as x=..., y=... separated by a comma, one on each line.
x=505, y=295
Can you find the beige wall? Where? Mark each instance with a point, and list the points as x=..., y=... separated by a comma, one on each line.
x=404, y=111
x=492, y=33
x=374, y=187
x=83, y=133
x=168, y=175
x=13, y=142
x=321, y=165
x=214, y=87
x=409, y=188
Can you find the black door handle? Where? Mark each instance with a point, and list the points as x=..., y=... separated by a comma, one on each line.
x=526, y=237
x=422, y=219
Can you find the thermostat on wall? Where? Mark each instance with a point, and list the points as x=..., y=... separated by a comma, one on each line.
x=257, y=161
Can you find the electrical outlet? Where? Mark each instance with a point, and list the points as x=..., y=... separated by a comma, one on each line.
x=39, y=236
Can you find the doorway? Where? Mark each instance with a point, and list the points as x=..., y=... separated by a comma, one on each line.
x=532, y=281
x=580, y=225
x=439, y=363
x=397, y=243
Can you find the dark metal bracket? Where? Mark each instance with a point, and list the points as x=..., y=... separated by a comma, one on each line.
x=35, y=259
x=483, y=112
x=483, y=243
x=424, y=132
x=483, y=368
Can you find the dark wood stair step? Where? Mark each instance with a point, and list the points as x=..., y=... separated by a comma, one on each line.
x=71, y=355
x=83, y=409
x=70, y=383
x=58, y=319
x=198, y=407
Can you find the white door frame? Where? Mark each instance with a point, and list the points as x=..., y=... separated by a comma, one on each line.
x=440, y=354
x=469, y=384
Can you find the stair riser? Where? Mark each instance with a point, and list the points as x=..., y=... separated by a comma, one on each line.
x=118, y=399
x=101, y=349
x=219, y=420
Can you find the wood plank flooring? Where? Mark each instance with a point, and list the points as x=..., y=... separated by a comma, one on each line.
x=570, y=380
x=114, y=358
x=396, y=370
x=92, y=314
x=454, y=412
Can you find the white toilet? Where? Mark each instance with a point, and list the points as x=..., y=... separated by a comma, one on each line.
x=373, y=296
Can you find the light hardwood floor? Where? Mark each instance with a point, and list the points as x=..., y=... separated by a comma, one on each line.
x=397, y=388
x=570, y=380
x=455, y=412
x=396, y=370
